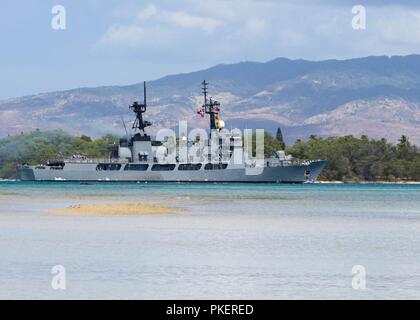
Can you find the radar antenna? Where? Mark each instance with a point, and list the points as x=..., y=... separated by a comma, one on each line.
x=139, y=109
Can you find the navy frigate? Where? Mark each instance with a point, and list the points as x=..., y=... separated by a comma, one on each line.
x=137, y=158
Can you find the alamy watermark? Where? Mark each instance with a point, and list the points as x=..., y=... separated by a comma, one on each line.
x=58, y=281
x=222, y=146
x=358, y=281
x=58, y=21
x=359, y=19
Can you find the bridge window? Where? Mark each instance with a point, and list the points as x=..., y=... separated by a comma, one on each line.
x=108, y=167
x=215, y=166
x=56, y=164
x=189, y=166
x=163, y=167
x=136, y=167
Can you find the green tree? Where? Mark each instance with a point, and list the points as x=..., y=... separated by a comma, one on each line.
x=360, y=158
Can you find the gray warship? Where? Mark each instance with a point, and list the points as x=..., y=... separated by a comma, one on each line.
x=137, y=158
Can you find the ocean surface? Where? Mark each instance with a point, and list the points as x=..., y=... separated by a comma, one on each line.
x=233, y=241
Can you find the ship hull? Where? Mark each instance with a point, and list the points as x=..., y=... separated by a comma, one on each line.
x=87, y=172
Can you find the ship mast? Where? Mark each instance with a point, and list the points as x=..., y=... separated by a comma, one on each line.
x=205, y=84
x=139, y=109
x=211, y=107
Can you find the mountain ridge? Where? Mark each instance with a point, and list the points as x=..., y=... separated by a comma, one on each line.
x=303, y=97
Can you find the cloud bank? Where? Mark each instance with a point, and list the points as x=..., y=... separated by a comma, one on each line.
x=258, y=30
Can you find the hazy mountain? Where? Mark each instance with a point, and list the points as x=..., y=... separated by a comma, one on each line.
x=377, y=96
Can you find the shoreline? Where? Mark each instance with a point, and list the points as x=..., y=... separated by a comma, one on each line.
x=366, y=182
x=318, y=181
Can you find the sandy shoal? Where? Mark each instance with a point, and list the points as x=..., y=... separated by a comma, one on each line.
x=134, y=209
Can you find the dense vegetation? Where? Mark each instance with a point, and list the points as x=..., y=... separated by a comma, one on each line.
x=349, y=158
x=37, y=147
x=354, y=159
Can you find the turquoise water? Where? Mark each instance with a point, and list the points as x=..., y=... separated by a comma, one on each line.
x=239, y=241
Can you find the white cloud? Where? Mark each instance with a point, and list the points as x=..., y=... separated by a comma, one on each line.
x=256, y=25
x=152, y=27
x=185, y=20
x=262, y=30
x=399, y=26
x=149, y=12
x=131, y=36
x=176, y=18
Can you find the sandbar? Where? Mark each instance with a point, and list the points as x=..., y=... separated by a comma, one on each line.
x=133, y=209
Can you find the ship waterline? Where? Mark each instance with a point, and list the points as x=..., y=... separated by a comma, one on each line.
x=88, y=172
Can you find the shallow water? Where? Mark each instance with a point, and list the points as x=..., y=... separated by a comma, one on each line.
x=237, y=241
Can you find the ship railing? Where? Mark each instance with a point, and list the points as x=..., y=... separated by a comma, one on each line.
x=275, y=162
x=94, y=160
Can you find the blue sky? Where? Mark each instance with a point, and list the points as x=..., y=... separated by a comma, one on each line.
x=121, y=42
